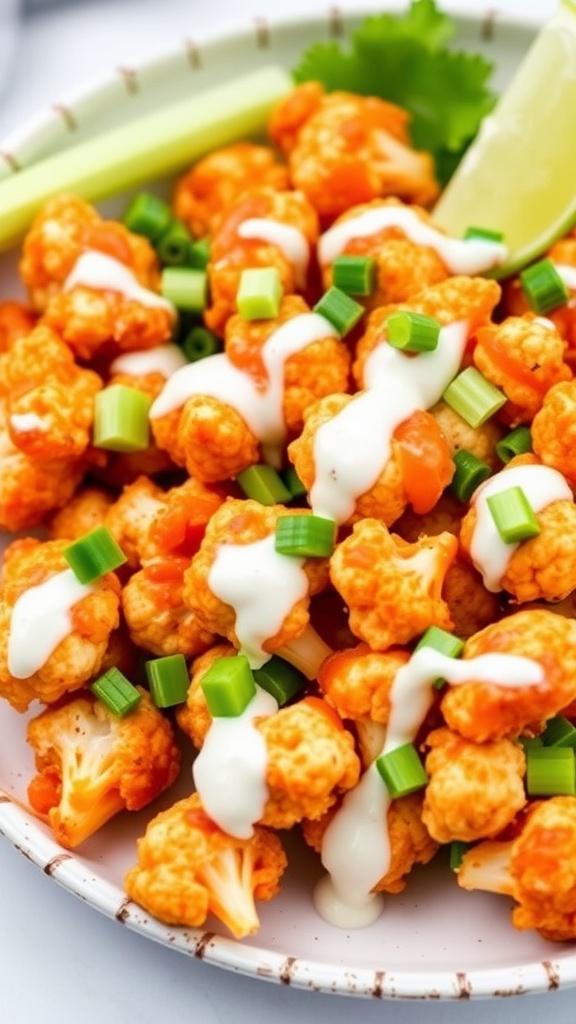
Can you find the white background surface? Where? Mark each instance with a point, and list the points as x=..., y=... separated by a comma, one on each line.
x=60, y=961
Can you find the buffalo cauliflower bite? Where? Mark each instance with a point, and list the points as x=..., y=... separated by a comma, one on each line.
x=475, y=789
x=203, y=194
x=49, y=399
x=194, y=716
x=189, y=868
x=481, y=711
x=91, y=764
x=129, y=517
x=93, y=319
x=242, y=242
x=537, y=868
x=78, y=656
x=16, y=319
x=524, y=357
x=479, y=441
x=554, y=430
x=393, y=589
x=86, y=510
x=344, y=149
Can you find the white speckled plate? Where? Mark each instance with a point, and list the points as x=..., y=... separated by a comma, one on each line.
x=433, y=941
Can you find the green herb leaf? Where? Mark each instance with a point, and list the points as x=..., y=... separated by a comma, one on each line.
x=404, y=59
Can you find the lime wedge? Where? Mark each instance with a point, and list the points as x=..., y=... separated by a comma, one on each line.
x=519, y=174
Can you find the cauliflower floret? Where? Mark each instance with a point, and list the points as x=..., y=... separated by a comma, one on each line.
x=129, y=518
x=203, y=194
x=524, y=357
x=78, y=656
x=537, y=868
x=157, y=618
x=481, y=711
x=194, y=716
x=231, y=253
x=92, y=765
x=188, y=868
x=49, y=399
x=554, y=430
x=86, y=510
x=16, y=319
x=345, y=149
x=357, y=681
x=393, y=589
x=479, y=441
x=475, y=789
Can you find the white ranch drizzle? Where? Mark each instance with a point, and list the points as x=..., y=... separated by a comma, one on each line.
x=356, y=846
x=262, y=586
x=353, y=447
x=230, y=770
x=460, y=256
x=217, y=377
x=101, y=272
x=164, y=359
x=27, y=421
x=290, y=240
x=41, y=619
x=490, y=554
x=568, y=275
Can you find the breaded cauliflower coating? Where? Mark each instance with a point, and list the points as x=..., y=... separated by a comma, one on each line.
x=393, y=589
x=130, y=516
x=344, y=149
x=91, y=764
x=263, y=228
x=203, y=194
x=475, y=789
x=524, y=357
x=554, y=430
x=86, y=510
x=357, y=681
x=194, y=716
x=16, y=319
x=123, y=314
x=77, y=656
x=537, y=868
x=479, y=441
x=158, y=621
x=49, y=398
x=481, y=711
x=188, y=868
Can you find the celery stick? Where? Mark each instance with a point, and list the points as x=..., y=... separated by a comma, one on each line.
x=149, y=147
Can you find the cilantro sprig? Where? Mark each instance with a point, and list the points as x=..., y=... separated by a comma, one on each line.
x=404, y=58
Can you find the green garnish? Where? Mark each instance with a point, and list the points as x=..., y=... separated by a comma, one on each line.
x=442, y=641
x=263, y=484
x=513, y=515
x=259, y=293
x=198, y=254
x=121, y=419
x=517, y=442
x=402, y=770
x=147, y=215
x=94, y=554
x=473, y=397
x=199, y=343
x=228, y=686
x=168, y=679
x=339, y=309
x=173, y=245
x=550, y=771
x=457, y=850
x=280, y=679
x=483, y=235
x=412, y=332
x=543, y=287
x=404, y=58
x=559, y=732
x=469, y=473
x=185, y=287
x=293, y=483
x=355, y=275
x=116, y=692
x=306, y=536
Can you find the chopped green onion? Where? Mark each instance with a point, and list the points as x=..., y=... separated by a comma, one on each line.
x=307, y=536
x=355, y=275
x=94, y=554
x=185, y=287
x=517, y=442
x=116, y=692
x=198, y=254
x=173, y=245
x=121, y=419
x=559, y=732
x=168, y=679
x=199, y=343
x=402, y=770
x=147, y=215
x=473, y=397
x=293, y=483
x=530, y=741
x=543, y=287
x=411, y=331
x=469, y=473
x=457, y=850
x=513, y=515
x=446, y=643
x=263, y=484
x=483, y=235
x=339, y=309
x=280, y=679
x=259, y=293
x=550, y=771
x=228, y=686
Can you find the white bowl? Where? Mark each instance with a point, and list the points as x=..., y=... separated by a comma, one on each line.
x=433, y=940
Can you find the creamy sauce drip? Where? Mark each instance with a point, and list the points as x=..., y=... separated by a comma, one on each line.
x=290, y=240
x=163, y=359
x=352, y=449
x=490, y=554
x=41, y=619
x=568, y=275
x=27, y=421
x=103, y=273
x=356, y=844
x=230, y=770
x=262, y=586
x=459, y=256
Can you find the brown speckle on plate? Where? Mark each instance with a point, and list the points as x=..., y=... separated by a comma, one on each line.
x=552, y=973
x=67, y=116
x=192, y=54
x=262, y=33
x=335, y=22
x=55, y=862
x=130, y=79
